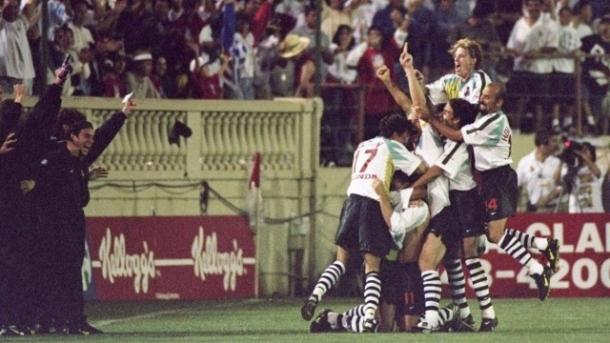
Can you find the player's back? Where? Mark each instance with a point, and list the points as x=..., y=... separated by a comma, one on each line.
x=378, y=158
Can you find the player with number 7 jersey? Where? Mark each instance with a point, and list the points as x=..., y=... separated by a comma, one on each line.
x=362, y=228
x=378, y=158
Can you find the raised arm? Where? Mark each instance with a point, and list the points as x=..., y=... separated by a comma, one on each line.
x=383, y=74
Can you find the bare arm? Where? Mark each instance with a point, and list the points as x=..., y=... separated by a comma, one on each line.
x=383, y=73
x=415, y=88
x=444, y=130
x=384, y=202
x=431, y=174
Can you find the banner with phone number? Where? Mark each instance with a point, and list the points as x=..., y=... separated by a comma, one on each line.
x=584, y=268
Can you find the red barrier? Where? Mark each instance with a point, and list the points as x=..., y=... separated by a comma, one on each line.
x=584, y=269
x=139, y=258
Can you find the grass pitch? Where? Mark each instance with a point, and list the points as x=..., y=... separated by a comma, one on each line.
x=521, y=320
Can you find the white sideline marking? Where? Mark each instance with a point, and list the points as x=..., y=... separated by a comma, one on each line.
x=150, y=315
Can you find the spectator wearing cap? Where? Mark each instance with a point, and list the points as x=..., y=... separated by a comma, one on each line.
x=16, y=65
x=138, y=79
x=296, y=68
x=206, y=76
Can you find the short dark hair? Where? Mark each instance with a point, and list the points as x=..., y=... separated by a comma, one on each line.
x=464, y=110
x=393, y=123
x=67, y=117
x=542, y=137
x=77, y=127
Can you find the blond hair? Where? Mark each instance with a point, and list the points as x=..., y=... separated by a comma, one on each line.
x=472, y=46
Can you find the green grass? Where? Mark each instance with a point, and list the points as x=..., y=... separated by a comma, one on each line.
x=521, y=321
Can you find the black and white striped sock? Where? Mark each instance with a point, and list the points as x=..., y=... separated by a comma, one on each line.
x=353, y=319
x=329, y=278
x=432, y=296
x=511, y=244
x=457, y=283
x=530, y=241
x=372, y=294
x=480, y=283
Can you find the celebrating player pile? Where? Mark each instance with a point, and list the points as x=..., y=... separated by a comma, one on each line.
x=435, y=211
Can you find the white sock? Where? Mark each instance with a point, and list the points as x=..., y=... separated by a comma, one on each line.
x=534, y=267
x=488, y=313
x=540, y=243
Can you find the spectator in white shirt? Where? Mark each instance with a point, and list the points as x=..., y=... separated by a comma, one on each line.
x=563, y=79
x=533, y=37
x=16, y=65
x=539, y=171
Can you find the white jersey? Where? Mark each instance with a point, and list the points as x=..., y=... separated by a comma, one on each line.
x=378, y=158
x=452, y=86
x=406, y=217
x=537, y=177
x=430, y=148
x=586, y=196
x=491, y=137
x=455, y=164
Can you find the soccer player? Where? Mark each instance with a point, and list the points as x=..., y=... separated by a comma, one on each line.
x=465, y=218
x=362, y=227
x=490, y=137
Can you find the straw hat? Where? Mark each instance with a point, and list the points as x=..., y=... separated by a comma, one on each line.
x=293, y=45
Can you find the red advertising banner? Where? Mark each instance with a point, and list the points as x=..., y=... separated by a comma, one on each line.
x=140, y=258
x=584, y=268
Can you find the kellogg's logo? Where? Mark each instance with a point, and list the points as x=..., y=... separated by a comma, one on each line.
x=209, y=261
x=116, y=263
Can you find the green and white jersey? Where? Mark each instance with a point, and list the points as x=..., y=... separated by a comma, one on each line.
x=452, y=86
x=491, y=137
x=455, y=164
x=378, y=158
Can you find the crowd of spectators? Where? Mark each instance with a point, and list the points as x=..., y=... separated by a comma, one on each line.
x=260, y=49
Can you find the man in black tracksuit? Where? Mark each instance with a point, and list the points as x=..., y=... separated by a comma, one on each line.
x=16, y=228
x=61, y=193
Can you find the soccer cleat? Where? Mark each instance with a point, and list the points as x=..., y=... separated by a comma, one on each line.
x=308, y=309
x=320, y=324
x=552, y=253
x=466, y=324
x=488, y=324
x=423, y=326
x=11, y=330
x=370, y=325
x=543, y=281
